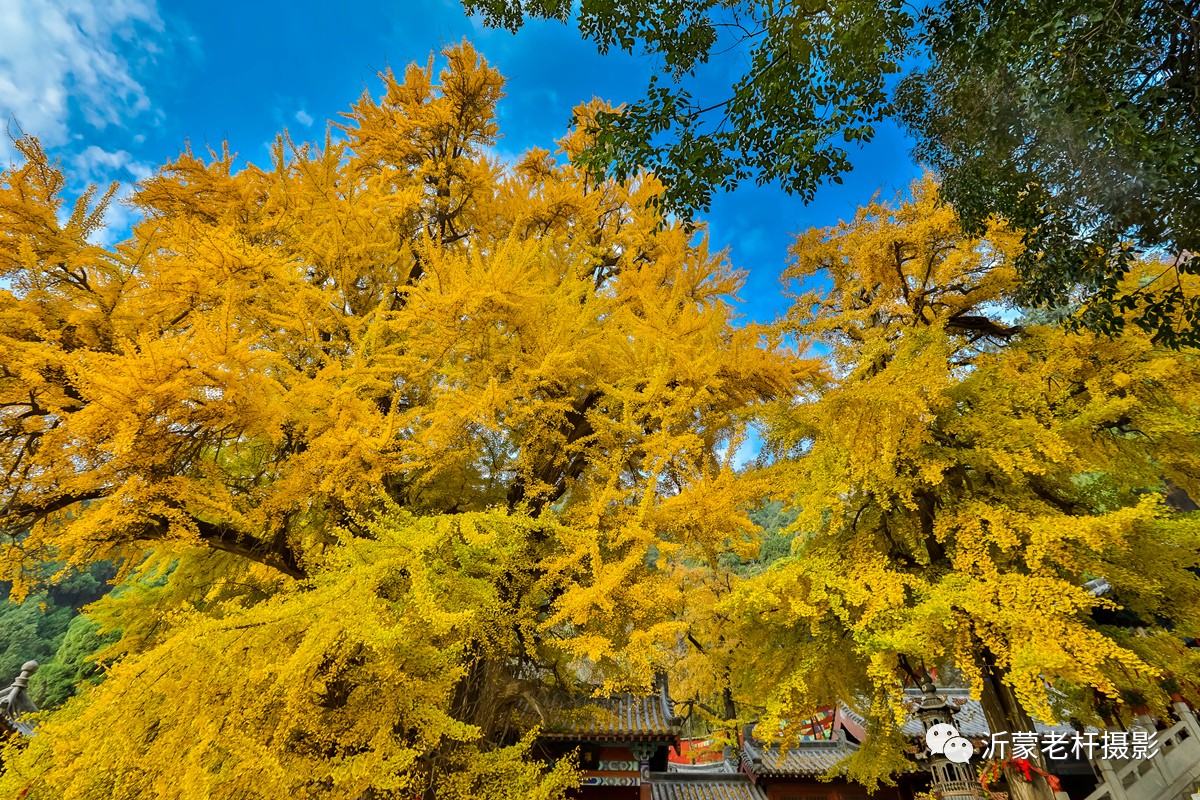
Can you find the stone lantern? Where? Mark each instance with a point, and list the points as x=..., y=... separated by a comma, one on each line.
x=951, y=781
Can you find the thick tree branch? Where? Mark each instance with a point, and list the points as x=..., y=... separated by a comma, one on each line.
x=988, y=327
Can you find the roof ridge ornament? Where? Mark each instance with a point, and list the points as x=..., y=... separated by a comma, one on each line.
x=15, y=702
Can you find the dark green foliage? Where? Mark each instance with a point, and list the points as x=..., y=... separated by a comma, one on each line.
x=774, y=520
x=37, y=628
x=1079, y=122
x=60, y=678
x=29, y=631
x=814, y=81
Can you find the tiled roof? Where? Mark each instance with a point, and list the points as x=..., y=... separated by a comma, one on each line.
x=696, y=788
x=706, y=768
x=621, y=717
x=969, y=717
x=805, y=759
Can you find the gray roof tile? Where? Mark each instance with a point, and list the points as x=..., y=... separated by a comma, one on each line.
x=728, y=788
x=969, y=717
x=805, y=759
x=621, y=717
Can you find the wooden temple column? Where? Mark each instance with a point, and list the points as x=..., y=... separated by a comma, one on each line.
x=643, y=752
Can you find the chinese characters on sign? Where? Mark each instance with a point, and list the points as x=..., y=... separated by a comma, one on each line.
x=1114, y=745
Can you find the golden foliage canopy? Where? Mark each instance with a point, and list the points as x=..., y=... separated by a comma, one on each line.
x=400, y=424
x=959, y=478
x=394, y=439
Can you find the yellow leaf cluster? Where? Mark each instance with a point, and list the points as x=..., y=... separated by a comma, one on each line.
x=959, y=478
x=541, y=372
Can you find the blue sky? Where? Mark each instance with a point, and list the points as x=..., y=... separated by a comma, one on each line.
x=116, y=87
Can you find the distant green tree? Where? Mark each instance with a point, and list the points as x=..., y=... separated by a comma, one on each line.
x=29, y=630
x=774, y=520
x=775, y=540
x=36, y=628
x=62, y=676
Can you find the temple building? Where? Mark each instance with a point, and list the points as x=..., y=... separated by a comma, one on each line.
x=633, y=748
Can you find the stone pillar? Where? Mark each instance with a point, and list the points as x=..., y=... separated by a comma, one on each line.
x=1188, y=717
x=1115, y=790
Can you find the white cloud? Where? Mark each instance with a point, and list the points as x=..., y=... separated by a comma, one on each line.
x=96, y=165
x=304, y=118
x=100, y=167
x=119, y=219
x=70, y=56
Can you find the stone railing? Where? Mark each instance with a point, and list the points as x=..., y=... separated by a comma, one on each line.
x=1171, y=774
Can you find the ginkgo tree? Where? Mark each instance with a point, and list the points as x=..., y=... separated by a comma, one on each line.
x=382, y=432
x=959, y=479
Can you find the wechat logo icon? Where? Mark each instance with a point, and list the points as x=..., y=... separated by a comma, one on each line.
x=943, y=739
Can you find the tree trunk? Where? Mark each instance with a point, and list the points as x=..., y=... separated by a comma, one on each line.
x=731, y=750
x=1005, y=714
x=1178, y=499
